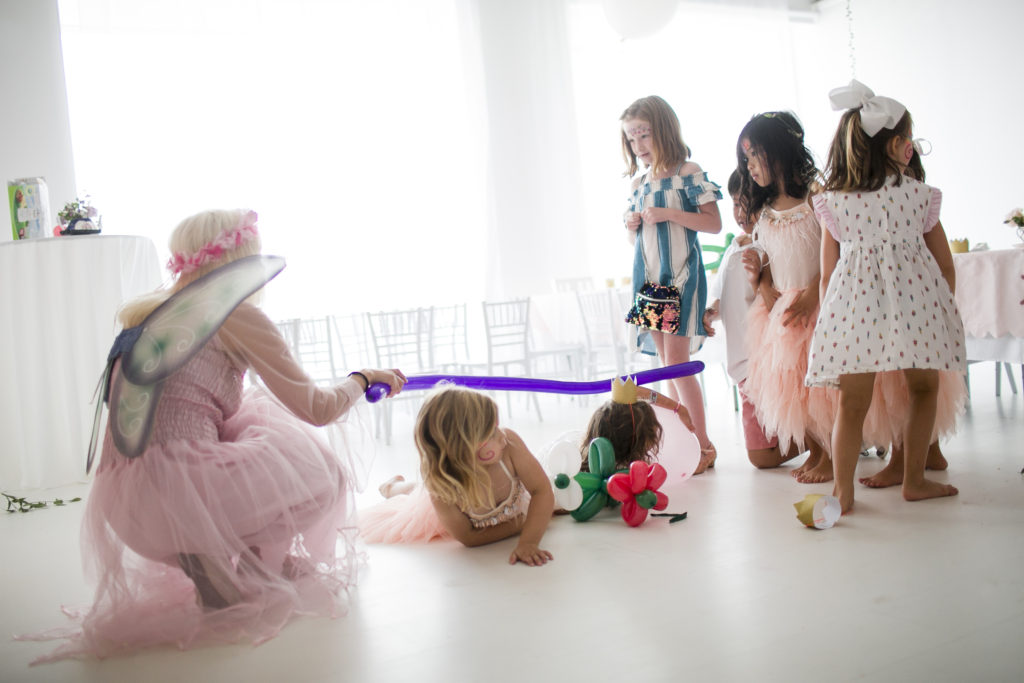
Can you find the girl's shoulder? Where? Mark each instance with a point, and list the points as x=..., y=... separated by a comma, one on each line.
x=690, y=168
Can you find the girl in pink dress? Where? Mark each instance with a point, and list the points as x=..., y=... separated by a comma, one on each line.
x=481, y=483
x=887, y=283
x=777, y=173
x=228, y=522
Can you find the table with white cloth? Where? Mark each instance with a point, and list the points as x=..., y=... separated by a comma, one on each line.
x=990, y=296
x=58, y=309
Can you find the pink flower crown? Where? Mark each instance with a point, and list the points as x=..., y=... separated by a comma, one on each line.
x=229, y=239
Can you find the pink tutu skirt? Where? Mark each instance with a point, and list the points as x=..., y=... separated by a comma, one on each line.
x=263, y=509
x=890, y=407
x=785, y=406
x=402, y=519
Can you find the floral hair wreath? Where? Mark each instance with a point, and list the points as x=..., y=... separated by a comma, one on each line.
x=183, y=264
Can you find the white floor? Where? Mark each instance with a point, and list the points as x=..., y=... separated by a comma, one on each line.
x=739, y=591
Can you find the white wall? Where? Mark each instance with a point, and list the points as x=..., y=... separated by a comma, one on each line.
x=36, y=138
x=959, y=69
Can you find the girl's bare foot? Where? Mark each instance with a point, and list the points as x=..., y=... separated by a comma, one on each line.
x=707, y=459
x=936, y=460
x=821, y=472
x=890, y=475
x=845, y=498
x=809, y=464
x=928, y=489
x=387, y=489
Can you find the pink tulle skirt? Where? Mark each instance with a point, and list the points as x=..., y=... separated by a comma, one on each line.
x=784, y=405
x=890, y=407
x=264, y=509
x=402, y=519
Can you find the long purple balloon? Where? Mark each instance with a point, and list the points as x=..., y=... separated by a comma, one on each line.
x=376, y=392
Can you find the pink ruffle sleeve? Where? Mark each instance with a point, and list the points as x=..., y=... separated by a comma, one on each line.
x=933, y=210
x=824, y=215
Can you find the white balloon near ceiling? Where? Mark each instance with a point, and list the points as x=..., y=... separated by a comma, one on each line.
x=634, y=19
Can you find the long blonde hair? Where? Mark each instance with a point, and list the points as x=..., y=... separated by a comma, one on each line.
x=451, y=426
x=188, y=237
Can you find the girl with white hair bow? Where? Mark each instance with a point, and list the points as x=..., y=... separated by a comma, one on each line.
x=887, y=284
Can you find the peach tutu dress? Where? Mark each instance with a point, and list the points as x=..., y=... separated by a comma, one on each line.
x=242, y=480
x=784, y=405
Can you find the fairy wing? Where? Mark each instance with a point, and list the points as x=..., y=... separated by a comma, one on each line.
x=180, y=326
x=166, y=340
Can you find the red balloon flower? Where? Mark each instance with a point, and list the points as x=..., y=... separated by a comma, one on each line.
x=638, y=491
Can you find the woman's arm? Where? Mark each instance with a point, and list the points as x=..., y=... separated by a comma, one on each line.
x=938, y=245
x=251, y=335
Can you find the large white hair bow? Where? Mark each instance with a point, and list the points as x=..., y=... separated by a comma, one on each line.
x=876, y=112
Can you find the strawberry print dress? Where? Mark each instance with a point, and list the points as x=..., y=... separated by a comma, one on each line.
x=887, y=306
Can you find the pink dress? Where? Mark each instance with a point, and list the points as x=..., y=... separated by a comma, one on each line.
x=244, y=482
x=784, y=405
x=413, y=519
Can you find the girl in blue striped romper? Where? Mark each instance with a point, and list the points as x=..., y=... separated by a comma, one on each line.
x=672, y=200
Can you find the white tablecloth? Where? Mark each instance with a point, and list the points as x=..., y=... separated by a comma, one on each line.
x=990, y=296
x=58, y=302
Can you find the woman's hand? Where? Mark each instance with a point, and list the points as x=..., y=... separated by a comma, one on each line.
x=632, y=220
x=393, y=378
x=802, y=309
x=530, y=554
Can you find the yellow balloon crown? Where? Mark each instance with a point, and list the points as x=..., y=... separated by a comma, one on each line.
x=624, y=392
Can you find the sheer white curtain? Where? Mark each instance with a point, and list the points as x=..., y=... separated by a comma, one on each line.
x=346, y=125
x=402, y=152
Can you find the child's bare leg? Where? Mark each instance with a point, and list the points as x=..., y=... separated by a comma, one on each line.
x=822, y=470
x=936, y=460
x=767, y=458
x=396, y=486
x=923, y=387
x=672, y=350
x=854, y=401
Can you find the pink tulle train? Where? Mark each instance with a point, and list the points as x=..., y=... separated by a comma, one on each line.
x=402, y=519
x=268, y=510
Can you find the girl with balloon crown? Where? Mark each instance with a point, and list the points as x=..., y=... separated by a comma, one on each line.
x=671, y=202
x=481, y=484
x=215, y=514
x=887, y=286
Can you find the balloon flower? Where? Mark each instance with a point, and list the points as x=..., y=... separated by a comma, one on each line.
x=563, y=464
x=601, y=460
x=638, y=491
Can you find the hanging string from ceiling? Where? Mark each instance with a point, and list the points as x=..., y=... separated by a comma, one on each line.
x=849, y=29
